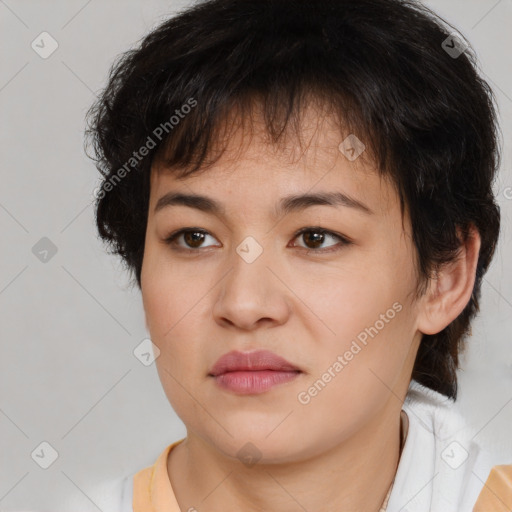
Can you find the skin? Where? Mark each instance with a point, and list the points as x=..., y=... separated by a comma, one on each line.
x=339, y=451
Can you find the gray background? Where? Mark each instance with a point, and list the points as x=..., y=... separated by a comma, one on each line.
x=68, y=326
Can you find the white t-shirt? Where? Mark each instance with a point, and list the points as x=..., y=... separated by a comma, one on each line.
x=441, y=468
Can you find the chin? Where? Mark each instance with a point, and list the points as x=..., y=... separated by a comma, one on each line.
x=255, y=446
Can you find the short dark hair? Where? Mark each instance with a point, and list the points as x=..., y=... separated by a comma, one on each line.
x=390, y=71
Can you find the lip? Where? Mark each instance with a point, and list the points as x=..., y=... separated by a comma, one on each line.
x=257, y=360
x=252, y=372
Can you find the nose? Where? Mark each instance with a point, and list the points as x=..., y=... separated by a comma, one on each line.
x=251, y=295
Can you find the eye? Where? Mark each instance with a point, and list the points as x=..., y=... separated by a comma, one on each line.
x=193, y=238
x=314, y=237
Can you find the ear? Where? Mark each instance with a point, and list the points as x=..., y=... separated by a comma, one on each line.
x=450, y=290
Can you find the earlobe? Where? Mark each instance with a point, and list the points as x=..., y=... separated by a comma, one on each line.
x=450, y=290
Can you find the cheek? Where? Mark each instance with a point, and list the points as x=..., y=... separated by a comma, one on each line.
x=176, y=308
x=348, y=300
x=356, y=370
x=363, y=314
x=168, y=295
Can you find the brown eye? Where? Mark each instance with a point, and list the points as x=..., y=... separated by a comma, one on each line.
x=314, y=238
x=193, y=238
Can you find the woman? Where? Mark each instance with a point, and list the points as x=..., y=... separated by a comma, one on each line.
x=303, y=193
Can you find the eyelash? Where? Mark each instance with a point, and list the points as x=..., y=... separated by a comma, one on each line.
x=344, y=241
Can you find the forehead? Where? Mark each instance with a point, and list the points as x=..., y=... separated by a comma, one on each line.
x=320, y=157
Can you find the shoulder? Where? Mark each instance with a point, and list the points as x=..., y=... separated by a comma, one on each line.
x=442, y=467
x=136, y=489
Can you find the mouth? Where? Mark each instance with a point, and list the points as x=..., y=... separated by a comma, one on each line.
x=252, y=372
x=253, y=382
x=258, y=360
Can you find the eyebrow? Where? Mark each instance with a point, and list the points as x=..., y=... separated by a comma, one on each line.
x=286, y=205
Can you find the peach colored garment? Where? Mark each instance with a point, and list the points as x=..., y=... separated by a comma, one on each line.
x=496, y=495
x=152, y=490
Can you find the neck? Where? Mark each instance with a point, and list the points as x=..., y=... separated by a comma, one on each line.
x=354, y=475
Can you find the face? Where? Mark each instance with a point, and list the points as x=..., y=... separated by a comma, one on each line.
x=327, y=287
